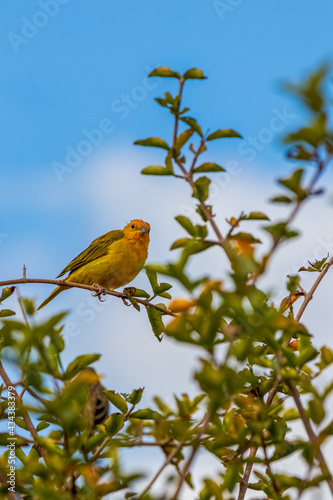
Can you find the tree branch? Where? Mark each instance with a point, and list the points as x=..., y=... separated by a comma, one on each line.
x=161, y=469
x=312, y=436
x=69, y=284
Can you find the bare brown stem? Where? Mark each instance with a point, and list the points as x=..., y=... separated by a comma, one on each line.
x=171, y=455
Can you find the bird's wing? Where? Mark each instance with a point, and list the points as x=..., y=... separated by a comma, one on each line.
x=96, y=249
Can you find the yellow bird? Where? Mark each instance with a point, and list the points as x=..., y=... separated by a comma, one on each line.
x=111, y=261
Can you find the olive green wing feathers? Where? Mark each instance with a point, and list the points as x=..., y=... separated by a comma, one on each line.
x=97, y=248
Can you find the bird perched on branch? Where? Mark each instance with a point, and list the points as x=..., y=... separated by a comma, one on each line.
x=110, y=261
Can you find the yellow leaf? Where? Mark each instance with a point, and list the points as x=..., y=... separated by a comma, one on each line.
x=181, y=305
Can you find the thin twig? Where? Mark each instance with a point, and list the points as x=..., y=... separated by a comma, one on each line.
x=161, y=469
x=312, y=436
x=69, y=284
x=267, y=462
x=185, y=469
x=188, y=176
x=308, y=296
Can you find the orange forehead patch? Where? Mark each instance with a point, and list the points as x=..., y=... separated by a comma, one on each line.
x=139, y=223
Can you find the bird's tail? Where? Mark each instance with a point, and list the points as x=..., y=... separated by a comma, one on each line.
x=53, y=294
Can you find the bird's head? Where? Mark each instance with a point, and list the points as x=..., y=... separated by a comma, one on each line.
x=137, y=229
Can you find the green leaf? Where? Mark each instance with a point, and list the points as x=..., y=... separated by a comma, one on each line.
x=201, y=188
x=147, y=414
x=311, y=91
x=222, y=133
x=293, y=183
x=280, y=231
x=5, y=438
x=117, y=400
x=156, y=170
x=114, y=423
x=4, y=313
x=291, y=414
x=306, y=355
x=209, y=167
x=326, y=356
x=79, y=364
x=281, y=199
x=186, y=224
x=155, y=318
x=140, y=293
x=42, y=425
x=161, y=102
x=313, y=135
x=29, y=306
x=154, y=142
x=94, y=441
x=191, y=122
x=135, y=397
x=164, y=72
x=257, y=216
x=194, y=73
x=162, y=287
x=6, y=292
x=293, y=282
x=183, y=138
x=316, y=411
x=181, y=243
x=152, y=276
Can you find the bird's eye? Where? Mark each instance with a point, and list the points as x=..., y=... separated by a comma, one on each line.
x=132, y=226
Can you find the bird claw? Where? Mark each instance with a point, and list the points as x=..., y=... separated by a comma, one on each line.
x=129, y=292
x=100, y=292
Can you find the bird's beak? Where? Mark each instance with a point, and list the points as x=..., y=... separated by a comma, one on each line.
x=143, y=229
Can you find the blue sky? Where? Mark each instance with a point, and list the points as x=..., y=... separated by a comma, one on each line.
x=67, y=64
x=69, y=76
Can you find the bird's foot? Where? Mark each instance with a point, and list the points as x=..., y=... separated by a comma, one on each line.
x=129, y=292
x=101, y=291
